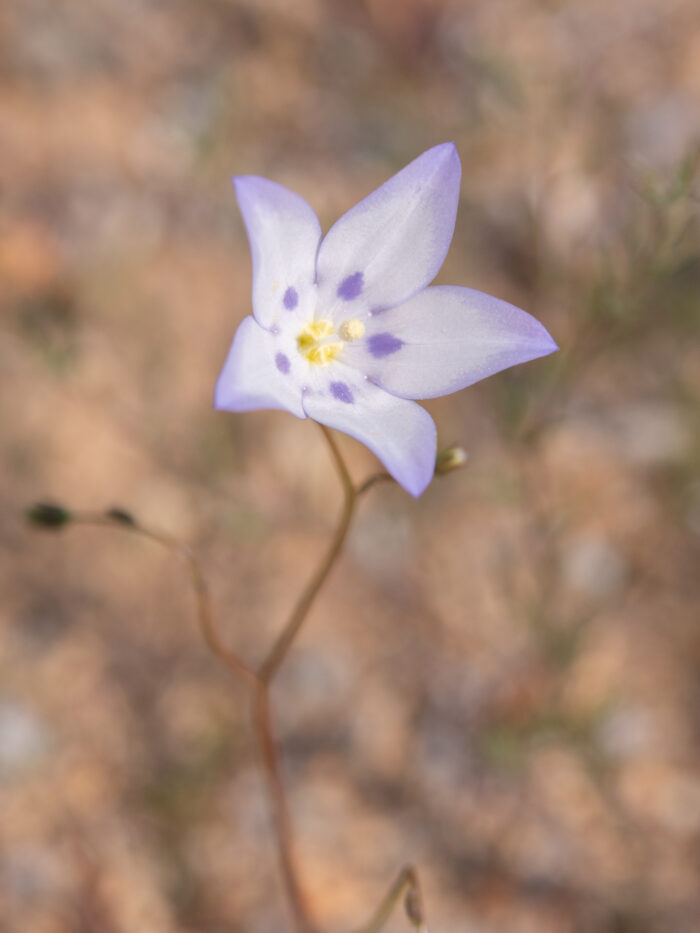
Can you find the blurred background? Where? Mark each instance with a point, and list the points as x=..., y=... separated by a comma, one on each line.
x=502, y=681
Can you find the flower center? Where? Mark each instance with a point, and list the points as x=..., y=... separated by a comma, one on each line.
x=320, y=343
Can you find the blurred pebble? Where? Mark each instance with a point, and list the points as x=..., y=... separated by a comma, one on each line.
x=381, y=729
x=593, y=566
x=383, y=544
x=23, y=739
x=679, y=804
x=663, y=132
x=320, y=684
x=33, y=872
x=626, y=732
x=571, y=210
x=652, y=434
x=442, y=758
x=656, y=789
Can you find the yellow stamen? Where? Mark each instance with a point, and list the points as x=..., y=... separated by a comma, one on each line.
x=314, y=344
x=352, y=329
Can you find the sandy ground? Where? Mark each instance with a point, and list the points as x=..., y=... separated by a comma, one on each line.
x=500, y=684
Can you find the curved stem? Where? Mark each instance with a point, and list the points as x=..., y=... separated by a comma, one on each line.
x=205, y=616
x=262, y=723
x=279, y=650
x=407, y=881
x=373, y=480
x=261, y=700
x=259, y=682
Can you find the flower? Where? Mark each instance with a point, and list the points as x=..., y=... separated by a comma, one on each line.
x=347, y=330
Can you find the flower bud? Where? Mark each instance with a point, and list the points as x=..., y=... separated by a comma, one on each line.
x=412, y=905
x=449, y=459
x=48, y=515
x=121, y=516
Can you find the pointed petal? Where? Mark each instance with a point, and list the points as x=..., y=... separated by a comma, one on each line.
x=257, y=373
x=443, y=339
x=284, y=233
x=392, y=243
x=400, y=433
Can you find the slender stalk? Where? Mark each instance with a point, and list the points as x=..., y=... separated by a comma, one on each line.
x=259, y=682
x=205, y=616
x=262, y=723
x=407, y=881
x=260, y=704
x=373, y=480
x=265, y=675
x=280, y=648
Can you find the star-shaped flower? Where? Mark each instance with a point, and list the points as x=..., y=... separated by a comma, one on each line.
x=346, y=329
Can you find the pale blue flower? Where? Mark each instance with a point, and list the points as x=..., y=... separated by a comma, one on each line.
x=346, y=329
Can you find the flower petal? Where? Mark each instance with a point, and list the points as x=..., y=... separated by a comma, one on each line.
x=284, y=233
x=443, y=339
x=394, y=241
x=257, y=373
x=400, y=433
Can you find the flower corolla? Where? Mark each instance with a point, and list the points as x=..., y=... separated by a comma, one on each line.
x=346, y=328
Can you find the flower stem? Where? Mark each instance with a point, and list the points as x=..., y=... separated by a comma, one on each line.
x=205, y=616
x=279, y=650
x=407, y=881
x=262, y=724
x=259, y=693
x=373, y=480
x=259, y=682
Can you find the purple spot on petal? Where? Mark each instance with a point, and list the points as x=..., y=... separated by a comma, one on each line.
x=381, y=345
x=351, y=286
x=340, y=391
x=282, y=363
x=291, y=299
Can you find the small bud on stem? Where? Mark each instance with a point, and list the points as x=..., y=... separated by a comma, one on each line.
x=121, y=516
x=449, y=459
x=413, y=909
x=48, y=515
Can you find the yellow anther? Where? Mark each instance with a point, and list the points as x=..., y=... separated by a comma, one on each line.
x=313, y=333
x=352, y=329
x=314, y=344
x=323, y=355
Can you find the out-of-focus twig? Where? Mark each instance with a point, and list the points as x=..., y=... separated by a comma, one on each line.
x=374, y=480
x=406, y=882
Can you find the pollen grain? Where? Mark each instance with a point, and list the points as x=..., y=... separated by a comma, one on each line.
x=352, y=329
